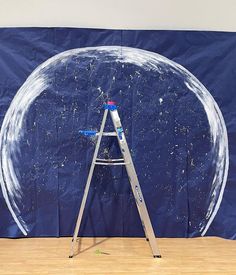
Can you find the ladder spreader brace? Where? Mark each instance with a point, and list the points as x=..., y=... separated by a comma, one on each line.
x=127, y=161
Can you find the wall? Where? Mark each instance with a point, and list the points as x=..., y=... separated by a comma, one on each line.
x=125, y=14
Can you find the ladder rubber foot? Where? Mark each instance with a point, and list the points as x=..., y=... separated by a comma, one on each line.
x=70, y=256
x=147, y=239
x=156, y=256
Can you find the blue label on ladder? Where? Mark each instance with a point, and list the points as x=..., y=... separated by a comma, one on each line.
x=120, y=131
x=88, y=132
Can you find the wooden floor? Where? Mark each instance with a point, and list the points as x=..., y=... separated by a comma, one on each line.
x=118, y=256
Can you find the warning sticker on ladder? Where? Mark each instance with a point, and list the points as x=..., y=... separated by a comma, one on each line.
x=120, y=132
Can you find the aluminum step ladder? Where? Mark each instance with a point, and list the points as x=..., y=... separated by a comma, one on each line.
x=127, y=161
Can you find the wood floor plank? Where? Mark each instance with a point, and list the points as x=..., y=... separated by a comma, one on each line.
x=113, y=256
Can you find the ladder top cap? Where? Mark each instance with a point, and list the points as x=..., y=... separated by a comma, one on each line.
x=111, y=103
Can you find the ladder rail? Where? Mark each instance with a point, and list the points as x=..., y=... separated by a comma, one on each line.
x=135, y=186
x=86, y=191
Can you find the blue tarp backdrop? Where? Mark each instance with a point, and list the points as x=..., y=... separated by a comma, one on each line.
x=176, y=127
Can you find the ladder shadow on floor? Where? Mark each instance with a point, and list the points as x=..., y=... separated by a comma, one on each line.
x=85, y=221
x=79, y=241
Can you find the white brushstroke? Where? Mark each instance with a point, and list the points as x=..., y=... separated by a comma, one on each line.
x=12, y=128
x=10, y=135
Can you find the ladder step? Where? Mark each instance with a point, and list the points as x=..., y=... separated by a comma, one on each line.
x=108, y=134
x=111, y=163
x=109, y=160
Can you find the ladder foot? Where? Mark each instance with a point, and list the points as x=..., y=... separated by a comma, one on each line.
x=156, y=256
x=70, y=256
x=147, y=239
